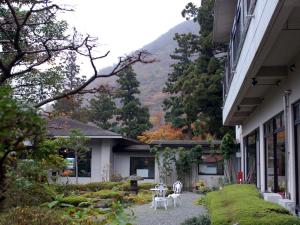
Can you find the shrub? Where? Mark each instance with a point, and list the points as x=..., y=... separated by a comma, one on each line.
x=33, y=216
x=143, y=197
x=124, y=186
x=96, y=186
x=116, y=177
x=26, y=193
x=73, y=200
x=200, y=201
x=201, y=220
x=146, y=186
x=241, y=204
x=104, y=194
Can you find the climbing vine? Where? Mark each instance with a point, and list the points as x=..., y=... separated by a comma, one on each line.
x=228, y=148
x=182, y=159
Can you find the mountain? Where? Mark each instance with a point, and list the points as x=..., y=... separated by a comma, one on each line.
x=152, y=77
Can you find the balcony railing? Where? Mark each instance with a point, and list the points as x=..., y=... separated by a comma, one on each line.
x=244, y=13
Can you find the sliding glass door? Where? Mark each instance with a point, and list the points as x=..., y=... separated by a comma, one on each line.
x=275, y=154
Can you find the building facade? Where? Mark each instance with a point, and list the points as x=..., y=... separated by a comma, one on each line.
x=261, y=86
x=112, y=154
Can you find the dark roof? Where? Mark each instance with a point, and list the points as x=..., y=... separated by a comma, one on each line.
x=61, y=127
x=184, y=142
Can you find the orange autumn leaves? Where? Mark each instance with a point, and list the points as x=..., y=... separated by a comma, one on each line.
x=164, y=132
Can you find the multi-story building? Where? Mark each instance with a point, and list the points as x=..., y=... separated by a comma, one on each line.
x=262, y=89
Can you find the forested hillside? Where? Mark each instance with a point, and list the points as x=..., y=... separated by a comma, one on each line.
x=152, y=77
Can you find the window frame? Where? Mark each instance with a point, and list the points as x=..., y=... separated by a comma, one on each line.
x=212, y=174
x=141, y=157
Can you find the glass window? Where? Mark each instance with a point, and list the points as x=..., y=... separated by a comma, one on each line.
x=297, y=160
x=297, y=112
x=297, y=150
x=251, y=167
x=211, y=165
x=270, y=162
x=275, y=154
x=279, y=123
x=142, y=166
x=84, y=163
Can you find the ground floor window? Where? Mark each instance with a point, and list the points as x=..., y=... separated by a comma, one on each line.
x=142, y=166
x=275, y=154
x=251, y=153
x=84, y=163
x=211, y=165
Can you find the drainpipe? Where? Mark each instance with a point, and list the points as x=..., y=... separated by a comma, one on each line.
x=286, y=100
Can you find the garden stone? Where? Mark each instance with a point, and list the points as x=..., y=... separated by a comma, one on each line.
x=103, y=203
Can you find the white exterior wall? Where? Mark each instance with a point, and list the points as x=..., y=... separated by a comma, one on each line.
x=106, y=160
x=271, y=106
x=101, y=163
x=122, y=163
x=263, y=13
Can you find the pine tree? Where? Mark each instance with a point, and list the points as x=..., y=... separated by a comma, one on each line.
x=134, y=118
x=195, y=82
x=102, y=110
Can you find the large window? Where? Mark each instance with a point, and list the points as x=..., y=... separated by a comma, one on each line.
x=297, y=150
x=275, y=154
x=142, y=166
x=84, y=163
x=211, y=165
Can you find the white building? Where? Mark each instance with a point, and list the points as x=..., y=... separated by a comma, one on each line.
x=111, y=153
x=262, y=88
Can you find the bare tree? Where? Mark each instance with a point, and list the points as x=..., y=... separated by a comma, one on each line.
x=32, y=39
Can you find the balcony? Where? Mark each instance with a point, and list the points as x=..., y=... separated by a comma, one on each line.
x=262, y=44
x=243, y=15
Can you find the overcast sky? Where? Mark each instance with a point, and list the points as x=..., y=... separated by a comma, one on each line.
x=124, y=26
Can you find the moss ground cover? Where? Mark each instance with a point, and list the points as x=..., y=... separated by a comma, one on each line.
x=242, y=204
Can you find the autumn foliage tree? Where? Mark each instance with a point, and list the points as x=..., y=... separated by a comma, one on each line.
x=164, y=132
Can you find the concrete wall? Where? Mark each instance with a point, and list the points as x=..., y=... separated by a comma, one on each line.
x=211, y=180
x=122, y=163
x=101, y=162
x=271, y=106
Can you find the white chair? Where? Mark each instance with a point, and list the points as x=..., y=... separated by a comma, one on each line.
x=177, y=187
x=160, y=196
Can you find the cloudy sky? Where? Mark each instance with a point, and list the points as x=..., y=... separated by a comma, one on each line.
x=124, y=26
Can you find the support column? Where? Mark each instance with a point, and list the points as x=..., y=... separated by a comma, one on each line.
x=262, y=158
x=106, y=159
x=287, y=118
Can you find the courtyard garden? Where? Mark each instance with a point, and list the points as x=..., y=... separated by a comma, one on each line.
x=94, y=203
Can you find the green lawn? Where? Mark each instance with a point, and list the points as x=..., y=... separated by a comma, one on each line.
x=243, y=205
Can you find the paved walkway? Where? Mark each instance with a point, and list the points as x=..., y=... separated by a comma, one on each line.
x=173, y=216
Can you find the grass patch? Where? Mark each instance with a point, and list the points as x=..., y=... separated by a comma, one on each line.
x=242, y=204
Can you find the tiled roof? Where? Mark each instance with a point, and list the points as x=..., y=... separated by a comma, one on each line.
x=61, y=127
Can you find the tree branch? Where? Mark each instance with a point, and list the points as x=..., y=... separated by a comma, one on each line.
x=141, y=56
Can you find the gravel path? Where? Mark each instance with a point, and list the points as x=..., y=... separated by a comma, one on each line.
x=173, y=216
